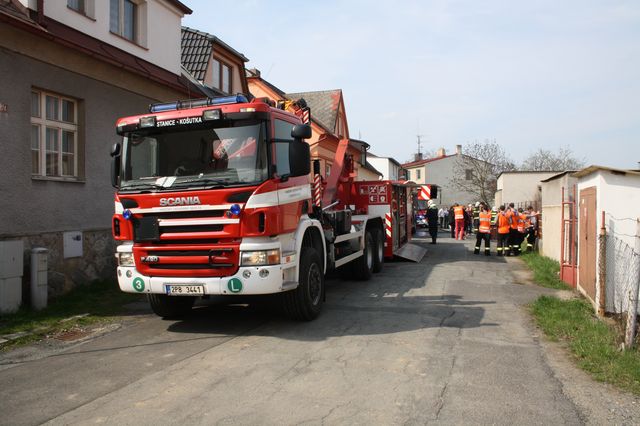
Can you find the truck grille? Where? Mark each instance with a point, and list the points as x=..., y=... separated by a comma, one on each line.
x=202, y=243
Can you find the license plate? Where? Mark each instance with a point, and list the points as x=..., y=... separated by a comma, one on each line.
x=184, y=290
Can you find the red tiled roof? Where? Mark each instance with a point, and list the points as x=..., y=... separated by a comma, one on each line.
x=426, y=160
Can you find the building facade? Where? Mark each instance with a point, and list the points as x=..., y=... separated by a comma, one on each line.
x=521, y=187
x=389, y=167
x=441, y=171
x=69, y=71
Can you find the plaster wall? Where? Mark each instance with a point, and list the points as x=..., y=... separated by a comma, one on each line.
x=159, y=33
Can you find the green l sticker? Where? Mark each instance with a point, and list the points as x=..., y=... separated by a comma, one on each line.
x=234, y=285
x=138, y=284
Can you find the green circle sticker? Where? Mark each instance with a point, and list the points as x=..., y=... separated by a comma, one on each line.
x=234, y=285
x=138, y=284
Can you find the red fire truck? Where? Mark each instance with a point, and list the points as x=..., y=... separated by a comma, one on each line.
x=214, y=198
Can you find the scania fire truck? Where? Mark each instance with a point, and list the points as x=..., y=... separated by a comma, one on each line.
x=214, y=198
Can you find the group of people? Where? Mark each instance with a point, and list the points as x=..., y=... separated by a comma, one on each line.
x=511, y=226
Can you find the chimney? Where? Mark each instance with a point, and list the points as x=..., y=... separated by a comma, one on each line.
x=441, y=152
x=417, y=157
x=458, y=149
x=255, y=72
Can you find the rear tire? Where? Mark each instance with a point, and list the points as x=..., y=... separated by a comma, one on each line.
x=170, y=307
x=305, y=302
x=363, y=266
x=378, y=249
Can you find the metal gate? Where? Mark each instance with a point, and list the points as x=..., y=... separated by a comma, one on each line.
x=568, y=238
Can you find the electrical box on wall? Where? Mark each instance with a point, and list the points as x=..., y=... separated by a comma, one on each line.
x=72, y=242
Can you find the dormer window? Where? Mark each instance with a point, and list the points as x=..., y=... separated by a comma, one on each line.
x=221, y=76
x=77, y=5
x=122, y=18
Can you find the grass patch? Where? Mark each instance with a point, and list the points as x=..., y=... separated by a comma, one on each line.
x=593, y=343
x=546, y=271
x=102, y=300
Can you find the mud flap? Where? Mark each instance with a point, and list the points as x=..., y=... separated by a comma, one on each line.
x=411, y=252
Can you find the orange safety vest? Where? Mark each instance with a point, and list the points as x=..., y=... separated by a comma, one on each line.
x=513, y=220
x=503, y=223
x=521, y=219
x=458, y=213
x=485, y=222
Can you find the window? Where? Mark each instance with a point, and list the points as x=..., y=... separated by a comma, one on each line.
x=327, y=170
x=282, y=132
x=77, y=5
x=123, y=15
x=221, y=76
x=418, y=174
x=468, y=174
x=54, y=135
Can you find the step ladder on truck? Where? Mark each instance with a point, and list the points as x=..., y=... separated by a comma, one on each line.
x=214, y=199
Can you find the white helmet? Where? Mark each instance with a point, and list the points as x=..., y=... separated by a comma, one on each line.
x=477, y=203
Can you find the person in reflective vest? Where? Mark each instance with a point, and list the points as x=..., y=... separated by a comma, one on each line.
x=504, y=227
x=512, y=214
x=531, y=228
x=458, y=213
x=484, y=230
x=520, y=219
x=476, y=215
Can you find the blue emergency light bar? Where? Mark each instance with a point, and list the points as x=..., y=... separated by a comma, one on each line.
x=194, y=103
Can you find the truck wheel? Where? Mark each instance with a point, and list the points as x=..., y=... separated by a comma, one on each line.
x=363, y=266
x=170, y=307
x=378, y=249
x=305, y=302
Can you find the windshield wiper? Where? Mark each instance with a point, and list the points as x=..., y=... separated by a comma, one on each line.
x=201, y=182
x=142, y=185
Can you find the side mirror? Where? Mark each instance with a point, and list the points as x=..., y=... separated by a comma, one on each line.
x=301, y=131
x=299, y=158
x=116, y=151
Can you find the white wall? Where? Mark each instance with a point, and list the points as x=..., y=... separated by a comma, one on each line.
x=619, y=197
x=521, y=187
x=552, y=215
x=384, y=165
x=441, y=173
x=160, y=29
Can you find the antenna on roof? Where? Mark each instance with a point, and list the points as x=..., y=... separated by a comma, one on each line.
x=419, y=154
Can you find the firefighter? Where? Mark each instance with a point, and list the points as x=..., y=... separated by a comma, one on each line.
x=531, y=228
x=520, y=219
x=494, y=223
x=476, y=215
x=484, y=230
x=504, y=227
x=458, y=212
x=512, y=214
x=432, y=220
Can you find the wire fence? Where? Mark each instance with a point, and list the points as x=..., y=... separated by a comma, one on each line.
x=622, y=270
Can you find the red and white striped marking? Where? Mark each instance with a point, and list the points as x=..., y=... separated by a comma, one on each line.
x=317, y=190
x=424, y=193
x=306, y=115
x=387, y=224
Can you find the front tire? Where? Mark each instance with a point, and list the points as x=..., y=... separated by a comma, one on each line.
x=305, y=302
x=170, y=307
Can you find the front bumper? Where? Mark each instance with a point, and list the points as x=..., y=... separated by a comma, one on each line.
x=248, y=280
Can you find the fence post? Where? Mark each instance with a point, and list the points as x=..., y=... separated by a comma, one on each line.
x=632, y=309
x=602, y=270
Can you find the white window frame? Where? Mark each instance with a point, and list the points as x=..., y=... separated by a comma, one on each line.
x=139, y=22
x=43, y=123
x=217, y=71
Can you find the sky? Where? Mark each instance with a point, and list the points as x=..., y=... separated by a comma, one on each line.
x=527, y=74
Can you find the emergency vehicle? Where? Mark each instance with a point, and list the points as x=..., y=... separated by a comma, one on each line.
x=214, y=198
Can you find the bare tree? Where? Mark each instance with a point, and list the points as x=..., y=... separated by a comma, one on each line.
x=477, y=169
x=546, y=160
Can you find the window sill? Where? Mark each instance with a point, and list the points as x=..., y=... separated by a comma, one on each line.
x=57, y=179
x=128, y=41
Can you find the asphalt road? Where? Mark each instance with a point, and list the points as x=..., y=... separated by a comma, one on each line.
x=446, y=340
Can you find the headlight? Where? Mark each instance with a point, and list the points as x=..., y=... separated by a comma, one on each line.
x=125, y=259
x=260, y=258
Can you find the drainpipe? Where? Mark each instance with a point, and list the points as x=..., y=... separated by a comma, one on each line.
x=40, y=15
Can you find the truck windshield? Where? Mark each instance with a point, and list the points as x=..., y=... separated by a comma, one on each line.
x=225, y=154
